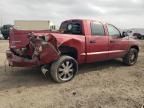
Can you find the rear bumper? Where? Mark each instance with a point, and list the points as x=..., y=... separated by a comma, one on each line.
x=16, y=61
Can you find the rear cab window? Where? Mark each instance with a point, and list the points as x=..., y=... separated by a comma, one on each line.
x=72, y=27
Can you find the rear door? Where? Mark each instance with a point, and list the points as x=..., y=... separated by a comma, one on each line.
x=118, y=46
x=97, y=43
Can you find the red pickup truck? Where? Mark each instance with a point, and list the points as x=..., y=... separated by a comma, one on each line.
x=76, y=42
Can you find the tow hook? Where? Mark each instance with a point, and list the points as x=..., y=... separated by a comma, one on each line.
x=45, y=69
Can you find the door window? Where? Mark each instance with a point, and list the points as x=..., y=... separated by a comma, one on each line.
x=113, y=31
x=97, y=29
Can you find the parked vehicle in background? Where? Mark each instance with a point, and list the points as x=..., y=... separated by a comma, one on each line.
x=5, y=30
x=138, y=35
x=76, y=42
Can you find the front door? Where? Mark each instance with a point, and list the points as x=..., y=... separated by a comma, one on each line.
x=117, y=45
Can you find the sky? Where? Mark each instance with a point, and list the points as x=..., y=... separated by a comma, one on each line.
x=122, y=13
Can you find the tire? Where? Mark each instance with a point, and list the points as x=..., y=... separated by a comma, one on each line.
x=64, y=69
x=131, y=57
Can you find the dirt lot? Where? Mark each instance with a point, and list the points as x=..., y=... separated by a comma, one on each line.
x=100, y=85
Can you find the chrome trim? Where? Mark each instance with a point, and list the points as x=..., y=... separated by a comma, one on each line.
x=103, y=52
x=16, y=41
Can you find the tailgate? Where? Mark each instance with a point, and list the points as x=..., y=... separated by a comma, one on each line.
x=18, y=38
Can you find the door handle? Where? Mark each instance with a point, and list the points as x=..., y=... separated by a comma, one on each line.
x=92, y=41
x=112, y=41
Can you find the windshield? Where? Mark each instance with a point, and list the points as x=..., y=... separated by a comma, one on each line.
x=71, y=27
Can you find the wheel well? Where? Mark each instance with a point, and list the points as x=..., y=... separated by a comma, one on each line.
x=136, y=47
x=70, y=51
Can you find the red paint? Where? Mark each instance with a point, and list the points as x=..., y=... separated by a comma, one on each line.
x=103, y=47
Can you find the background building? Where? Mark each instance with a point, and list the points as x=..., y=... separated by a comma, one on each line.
x=34, y=25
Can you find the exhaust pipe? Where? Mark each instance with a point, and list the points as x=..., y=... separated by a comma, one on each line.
x=44, y=69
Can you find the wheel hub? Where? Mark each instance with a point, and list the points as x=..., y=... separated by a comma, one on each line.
x=66, y=70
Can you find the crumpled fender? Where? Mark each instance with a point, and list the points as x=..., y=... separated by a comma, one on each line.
x=50, y=50
x=52, y=53
x=64, y=40
x=58, y=41
x=76, y=42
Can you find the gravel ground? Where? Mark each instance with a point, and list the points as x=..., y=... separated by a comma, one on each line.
x=99, y=85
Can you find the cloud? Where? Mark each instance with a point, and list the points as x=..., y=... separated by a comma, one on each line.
x=128, y=12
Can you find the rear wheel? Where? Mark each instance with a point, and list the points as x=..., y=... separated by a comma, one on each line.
x=131, y=57
x=64, y=69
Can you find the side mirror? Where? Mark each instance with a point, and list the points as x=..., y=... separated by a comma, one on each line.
x=124, y=34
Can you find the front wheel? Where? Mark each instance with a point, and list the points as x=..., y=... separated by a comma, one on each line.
x=131, y=57
x=64, y=69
